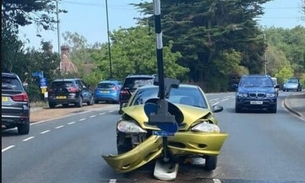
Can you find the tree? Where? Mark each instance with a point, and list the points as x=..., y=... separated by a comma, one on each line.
x=134, y=52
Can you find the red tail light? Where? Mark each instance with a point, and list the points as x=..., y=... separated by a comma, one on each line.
x=116, y=88
x=21, y=97
x=124, y=92
x=72, y=89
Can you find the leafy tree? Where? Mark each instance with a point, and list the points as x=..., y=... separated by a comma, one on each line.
x=134, y=52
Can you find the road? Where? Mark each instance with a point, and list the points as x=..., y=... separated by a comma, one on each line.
x=261, y=147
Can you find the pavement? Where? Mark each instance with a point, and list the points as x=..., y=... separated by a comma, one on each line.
x=296, y=104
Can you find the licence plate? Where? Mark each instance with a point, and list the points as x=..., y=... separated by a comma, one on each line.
x=105, y=91
x=4, y=99
x=256, y=102
x=61, y=97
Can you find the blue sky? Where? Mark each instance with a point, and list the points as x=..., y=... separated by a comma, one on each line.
x=88, y=18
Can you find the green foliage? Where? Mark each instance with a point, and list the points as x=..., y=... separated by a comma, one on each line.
x=283, y=74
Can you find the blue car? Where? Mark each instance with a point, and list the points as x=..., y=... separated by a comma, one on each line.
x=108, y=91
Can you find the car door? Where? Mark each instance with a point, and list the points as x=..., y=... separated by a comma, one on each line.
x=85, y=91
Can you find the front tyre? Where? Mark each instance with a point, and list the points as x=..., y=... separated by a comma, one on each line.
x=210, y=163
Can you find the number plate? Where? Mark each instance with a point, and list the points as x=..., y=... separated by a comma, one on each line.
x=61, y=97
x=105, y=91
x=256, y=102
x=4, y=99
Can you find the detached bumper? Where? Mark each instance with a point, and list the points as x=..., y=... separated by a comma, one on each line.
x=183, y=143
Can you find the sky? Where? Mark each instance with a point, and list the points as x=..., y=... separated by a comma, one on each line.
x=88, y=18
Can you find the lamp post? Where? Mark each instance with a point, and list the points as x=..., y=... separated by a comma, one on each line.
x=58, y=34
x=265, y=55
x=109, y=47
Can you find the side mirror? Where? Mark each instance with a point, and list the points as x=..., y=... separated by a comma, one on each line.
x=234, y=86
x=217, y=108
x=277, y=86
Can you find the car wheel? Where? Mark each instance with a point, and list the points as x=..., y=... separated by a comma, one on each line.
x=210, y=163
x=65, y=105
x=52, y=105
x=24, y=128
x=80, y=102
x=123, y=144
x=91, y=102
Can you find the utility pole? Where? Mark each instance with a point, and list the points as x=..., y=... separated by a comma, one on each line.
x=58, y=34
x=109, y=47
x=265, y=55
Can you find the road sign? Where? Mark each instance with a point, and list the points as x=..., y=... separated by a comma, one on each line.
x=43, y=82
x=37, y=74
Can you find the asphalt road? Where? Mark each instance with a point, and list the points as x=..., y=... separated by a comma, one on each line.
x=261, y=147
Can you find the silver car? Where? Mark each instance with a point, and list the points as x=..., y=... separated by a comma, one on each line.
x=292, y=84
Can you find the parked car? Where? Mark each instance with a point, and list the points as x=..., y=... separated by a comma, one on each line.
x=108, y=91
x=274, y=80
x=70, y=91
x=256, y=92
x=198, y=132
x=292, y=84
x=131, y=83
x=15, y=104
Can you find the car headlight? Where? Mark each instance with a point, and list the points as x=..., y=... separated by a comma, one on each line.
x=242, y=94
x=271, y=95
x=129, y=127
x=206, y=127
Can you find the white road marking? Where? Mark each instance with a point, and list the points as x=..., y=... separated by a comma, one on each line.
x=112, y=111
x=214, y=99
x=24, y=140
x=45, y=132
x=7, y=148
x=112, y=181
x=92, y=116
x=216, y=103
x=102, y=113
x=58, y=127
x=227, y=97
x=82, y=119
x=216, y=181
x=224, y=100
x=71, y=123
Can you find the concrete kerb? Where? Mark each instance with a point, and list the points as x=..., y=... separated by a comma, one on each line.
x=290, y=109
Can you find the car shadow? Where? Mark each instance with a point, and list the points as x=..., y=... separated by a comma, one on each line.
x=9, y=132
x=232, y=110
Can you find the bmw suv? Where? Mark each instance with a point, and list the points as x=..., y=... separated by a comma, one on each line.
x=256, y=92
x=131, y=83
x=69, y=91
x=15, y=104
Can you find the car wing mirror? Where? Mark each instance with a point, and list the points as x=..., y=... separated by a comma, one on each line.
x=234, y=86
x=277, y=86
x=217, y=108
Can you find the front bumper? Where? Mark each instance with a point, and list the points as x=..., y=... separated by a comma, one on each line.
x=183, y=143
x=249, y=103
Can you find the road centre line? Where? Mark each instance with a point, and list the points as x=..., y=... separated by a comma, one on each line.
x=112, y=181
x=214, y=99
x=92, y=116
x=71, y=123
x=224, y=100
x=216, y=181
x=45, y=132
x=7, y=148
x=216, y=103
x=27, y=139
x=112, y=111
x=59, y=126
x=102, y=113
x=82, y=119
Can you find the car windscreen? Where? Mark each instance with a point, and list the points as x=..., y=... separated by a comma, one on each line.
x=9, y=83
x=256, y=82
x=292, y=81
x=181, y=95
x=134, y=83
x=62, y=84
x=105, y=85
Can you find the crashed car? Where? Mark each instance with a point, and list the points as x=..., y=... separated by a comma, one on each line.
x=198, y=132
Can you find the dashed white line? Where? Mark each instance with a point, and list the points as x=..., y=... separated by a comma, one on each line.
x=45, y=132
x=7, y=148
x=112, y=181
x=216, y=181
x=71, y=123
x=92, y=116
x=58, y=127
x=112, y=111
x=102, y=113
x=82, y=119
x=216, y=103
x=224, y=100
x=24, y=140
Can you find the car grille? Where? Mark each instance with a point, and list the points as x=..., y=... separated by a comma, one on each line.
x=257, y=95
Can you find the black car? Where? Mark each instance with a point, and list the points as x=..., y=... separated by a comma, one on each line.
x=131, y=83
x=69, y=91
x=15, y=104
x=256, y=92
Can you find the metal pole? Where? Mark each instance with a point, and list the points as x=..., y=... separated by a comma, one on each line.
x=109, y=48
x=58, y=34
x=265, y=55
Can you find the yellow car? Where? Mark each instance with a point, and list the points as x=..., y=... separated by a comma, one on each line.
x=198, y=131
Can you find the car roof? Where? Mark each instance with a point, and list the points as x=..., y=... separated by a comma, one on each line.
x=110, y=81
x=181, y=86
x=142, y=76
x=67, y=79
x=5, y=74
x=255, y=75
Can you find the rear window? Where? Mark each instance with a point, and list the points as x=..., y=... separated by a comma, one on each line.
x=106, y=85
x=62, y=84
x=11, y=84
x=134, y=83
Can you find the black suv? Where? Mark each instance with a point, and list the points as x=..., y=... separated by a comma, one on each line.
x=256, y=92
x=69, y=91
x=15, y=104
x=131, y=83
